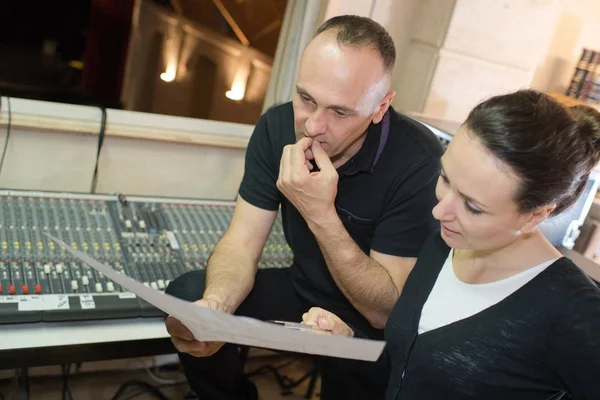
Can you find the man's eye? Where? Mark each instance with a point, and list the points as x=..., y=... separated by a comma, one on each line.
x=305, y=98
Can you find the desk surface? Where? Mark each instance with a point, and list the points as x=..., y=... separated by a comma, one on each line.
x=29, y=345
x=50, y=334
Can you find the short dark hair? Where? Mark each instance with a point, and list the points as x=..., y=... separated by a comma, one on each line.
x=353, y=30
x=550, y=147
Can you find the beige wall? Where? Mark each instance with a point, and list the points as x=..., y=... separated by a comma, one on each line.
x=398, y=17
x=578, y=27
x=54, y=146
x=463, y=51
x=454, y=53
x=51, y=146
x=205, y=66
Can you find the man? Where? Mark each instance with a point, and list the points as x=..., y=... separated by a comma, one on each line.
x=355, y=181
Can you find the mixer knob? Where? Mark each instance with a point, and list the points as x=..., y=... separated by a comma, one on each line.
x=98, y=287
x=25, y=289
x=59, y=268
x=85, y=280
x=161, y=284
x=38, y=289
x=128, y=224
x=147, y=284
x=110, y=287
x=74, y=285
x=154, y=286
x=142, y=224
x=46, y=269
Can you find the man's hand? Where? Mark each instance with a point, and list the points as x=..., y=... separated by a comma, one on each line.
x=183, y=339
x=327, y=322
x=312, y=193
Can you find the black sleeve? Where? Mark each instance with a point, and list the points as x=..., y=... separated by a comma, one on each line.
x=357, y=332
x=575, y=344
x=259, y=184
x=407, y=221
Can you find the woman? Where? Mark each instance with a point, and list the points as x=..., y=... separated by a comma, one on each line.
x=492, y=310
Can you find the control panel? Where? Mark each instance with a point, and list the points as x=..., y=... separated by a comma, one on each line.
x=149, y=239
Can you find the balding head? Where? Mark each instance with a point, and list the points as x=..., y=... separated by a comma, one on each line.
x=343, y=84
x=355, y=31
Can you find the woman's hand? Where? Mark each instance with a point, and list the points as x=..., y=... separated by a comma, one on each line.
x=326, y=322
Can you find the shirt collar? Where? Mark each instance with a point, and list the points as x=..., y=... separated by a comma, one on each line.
x=370, y=151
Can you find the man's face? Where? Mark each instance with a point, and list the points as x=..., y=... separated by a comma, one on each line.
x=339, y=92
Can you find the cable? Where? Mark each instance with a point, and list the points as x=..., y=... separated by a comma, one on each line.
x=270, y=368
x=148, y=388
x=156, y=378
x=100, y=142
x=152, y=375
x=7, y=132
x=141, y=392
x=66, y=370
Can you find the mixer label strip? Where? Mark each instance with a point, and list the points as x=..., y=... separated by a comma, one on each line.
x=87, y=302
x=43, y=302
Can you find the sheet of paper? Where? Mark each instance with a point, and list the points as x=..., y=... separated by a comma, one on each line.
x=208, y=325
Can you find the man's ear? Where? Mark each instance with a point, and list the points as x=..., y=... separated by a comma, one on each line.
x=537, y=217
x=383, y=106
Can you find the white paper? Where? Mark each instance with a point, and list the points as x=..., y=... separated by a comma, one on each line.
x=208, y=325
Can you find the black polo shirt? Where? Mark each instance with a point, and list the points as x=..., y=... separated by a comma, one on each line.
x=385, y=196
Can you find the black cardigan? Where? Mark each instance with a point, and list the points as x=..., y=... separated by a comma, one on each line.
x=538, y=343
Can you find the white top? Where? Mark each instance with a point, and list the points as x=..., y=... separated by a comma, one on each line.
x=451, y=299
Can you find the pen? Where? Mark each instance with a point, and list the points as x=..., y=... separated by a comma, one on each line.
x=292, y=325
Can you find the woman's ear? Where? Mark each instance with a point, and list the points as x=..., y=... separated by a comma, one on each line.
x=537, y=216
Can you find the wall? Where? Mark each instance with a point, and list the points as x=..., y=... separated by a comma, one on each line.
x=451, y=54
x=397, y=16
x=578, y=26
x=203, y=66
x=50, y=146
x=463, y=51
x=54, y=147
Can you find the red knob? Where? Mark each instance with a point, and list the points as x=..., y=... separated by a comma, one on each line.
x=25, y=289
x=38, y=289
x=11, y=290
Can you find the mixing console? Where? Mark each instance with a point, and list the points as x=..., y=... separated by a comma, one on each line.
x=151, y=240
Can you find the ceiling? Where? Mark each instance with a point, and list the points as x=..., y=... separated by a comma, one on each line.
x=253, y=22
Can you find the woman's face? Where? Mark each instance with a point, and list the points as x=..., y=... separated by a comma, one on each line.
x=476, y=194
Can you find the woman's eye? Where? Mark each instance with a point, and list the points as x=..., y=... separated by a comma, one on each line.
x=471, y=209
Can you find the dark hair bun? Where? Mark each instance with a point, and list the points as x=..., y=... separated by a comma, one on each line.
x=550, y=147
x=588, y=123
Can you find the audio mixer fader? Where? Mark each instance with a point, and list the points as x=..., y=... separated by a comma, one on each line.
x=149, y=239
